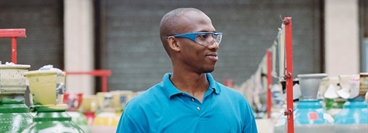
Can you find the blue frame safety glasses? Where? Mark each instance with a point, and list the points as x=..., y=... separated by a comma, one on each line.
x=202, y=38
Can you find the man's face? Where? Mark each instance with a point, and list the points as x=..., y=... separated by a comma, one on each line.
x=196, y=57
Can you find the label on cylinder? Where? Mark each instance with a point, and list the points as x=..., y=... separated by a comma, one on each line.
x=313, y=116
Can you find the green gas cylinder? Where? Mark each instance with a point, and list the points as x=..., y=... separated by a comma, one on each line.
x=14, y=114
x=47, y=88
x=74, y=101
x=52, y=120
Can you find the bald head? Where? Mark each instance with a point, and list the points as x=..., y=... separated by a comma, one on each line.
x=171, y=23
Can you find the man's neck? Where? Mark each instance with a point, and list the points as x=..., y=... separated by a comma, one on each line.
x=192, y=83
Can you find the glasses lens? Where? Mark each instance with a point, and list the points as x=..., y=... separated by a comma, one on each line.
x=208, y=38
x=218, y=38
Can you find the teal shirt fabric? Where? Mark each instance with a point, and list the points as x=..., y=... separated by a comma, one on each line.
x=165, y=109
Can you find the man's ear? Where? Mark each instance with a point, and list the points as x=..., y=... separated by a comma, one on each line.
x=173, y=44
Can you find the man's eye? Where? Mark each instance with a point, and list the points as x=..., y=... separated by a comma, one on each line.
x=203, y=36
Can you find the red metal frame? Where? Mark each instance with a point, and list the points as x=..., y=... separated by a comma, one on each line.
x=289, y=73
x=13, y=34
x=100, y=73
x=269, y=83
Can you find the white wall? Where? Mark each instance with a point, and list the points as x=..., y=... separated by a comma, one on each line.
x=78, y=47
x=341, y=37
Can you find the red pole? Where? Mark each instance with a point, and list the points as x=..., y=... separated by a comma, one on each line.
x=13, y=34
x=101, y=73
x=289, y=73
x=14, y=50
x=269, y=82
x=104, y=84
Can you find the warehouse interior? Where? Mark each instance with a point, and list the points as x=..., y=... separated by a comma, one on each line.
x=121, y=37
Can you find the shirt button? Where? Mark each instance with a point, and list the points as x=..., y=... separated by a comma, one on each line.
x=198, y=108
x=192, y=99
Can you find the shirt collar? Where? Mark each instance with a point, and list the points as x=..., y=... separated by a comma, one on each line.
x=169, y=89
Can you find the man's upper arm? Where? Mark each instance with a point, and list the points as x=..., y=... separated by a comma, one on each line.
x=250, y=122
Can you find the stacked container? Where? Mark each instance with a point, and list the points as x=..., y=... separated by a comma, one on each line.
x=309, y=115
x=89, y=107
x=47, y=88
x=108, y=117
x=14, y=114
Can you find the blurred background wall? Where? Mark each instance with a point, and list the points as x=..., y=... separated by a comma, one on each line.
x=122, y=35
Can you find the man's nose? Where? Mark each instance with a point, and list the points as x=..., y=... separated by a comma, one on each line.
x=213, y=44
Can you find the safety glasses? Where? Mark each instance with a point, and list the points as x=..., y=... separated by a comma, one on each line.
x=202, y=38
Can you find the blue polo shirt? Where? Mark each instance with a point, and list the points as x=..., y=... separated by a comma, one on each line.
x=165, y=109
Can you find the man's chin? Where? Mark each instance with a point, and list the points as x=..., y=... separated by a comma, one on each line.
x=209, y=71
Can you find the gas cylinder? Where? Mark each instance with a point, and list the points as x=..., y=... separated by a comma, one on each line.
x=74, y=101
x=14, y=114
x=89, y=107
x=363, y=92
x=121, y=98
x=90, y=116
x=354, y=115
x=107, y=120
x=309, y=115
x=48, y=102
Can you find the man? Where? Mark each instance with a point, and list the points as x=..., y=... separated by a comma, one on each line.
x=188, y=100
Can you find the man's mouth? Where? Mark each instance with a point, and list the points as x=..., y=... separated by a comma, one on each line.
x=212, y=57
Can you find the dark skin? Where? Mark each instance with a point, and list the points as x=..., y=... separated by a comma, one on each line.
x=191, y=61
